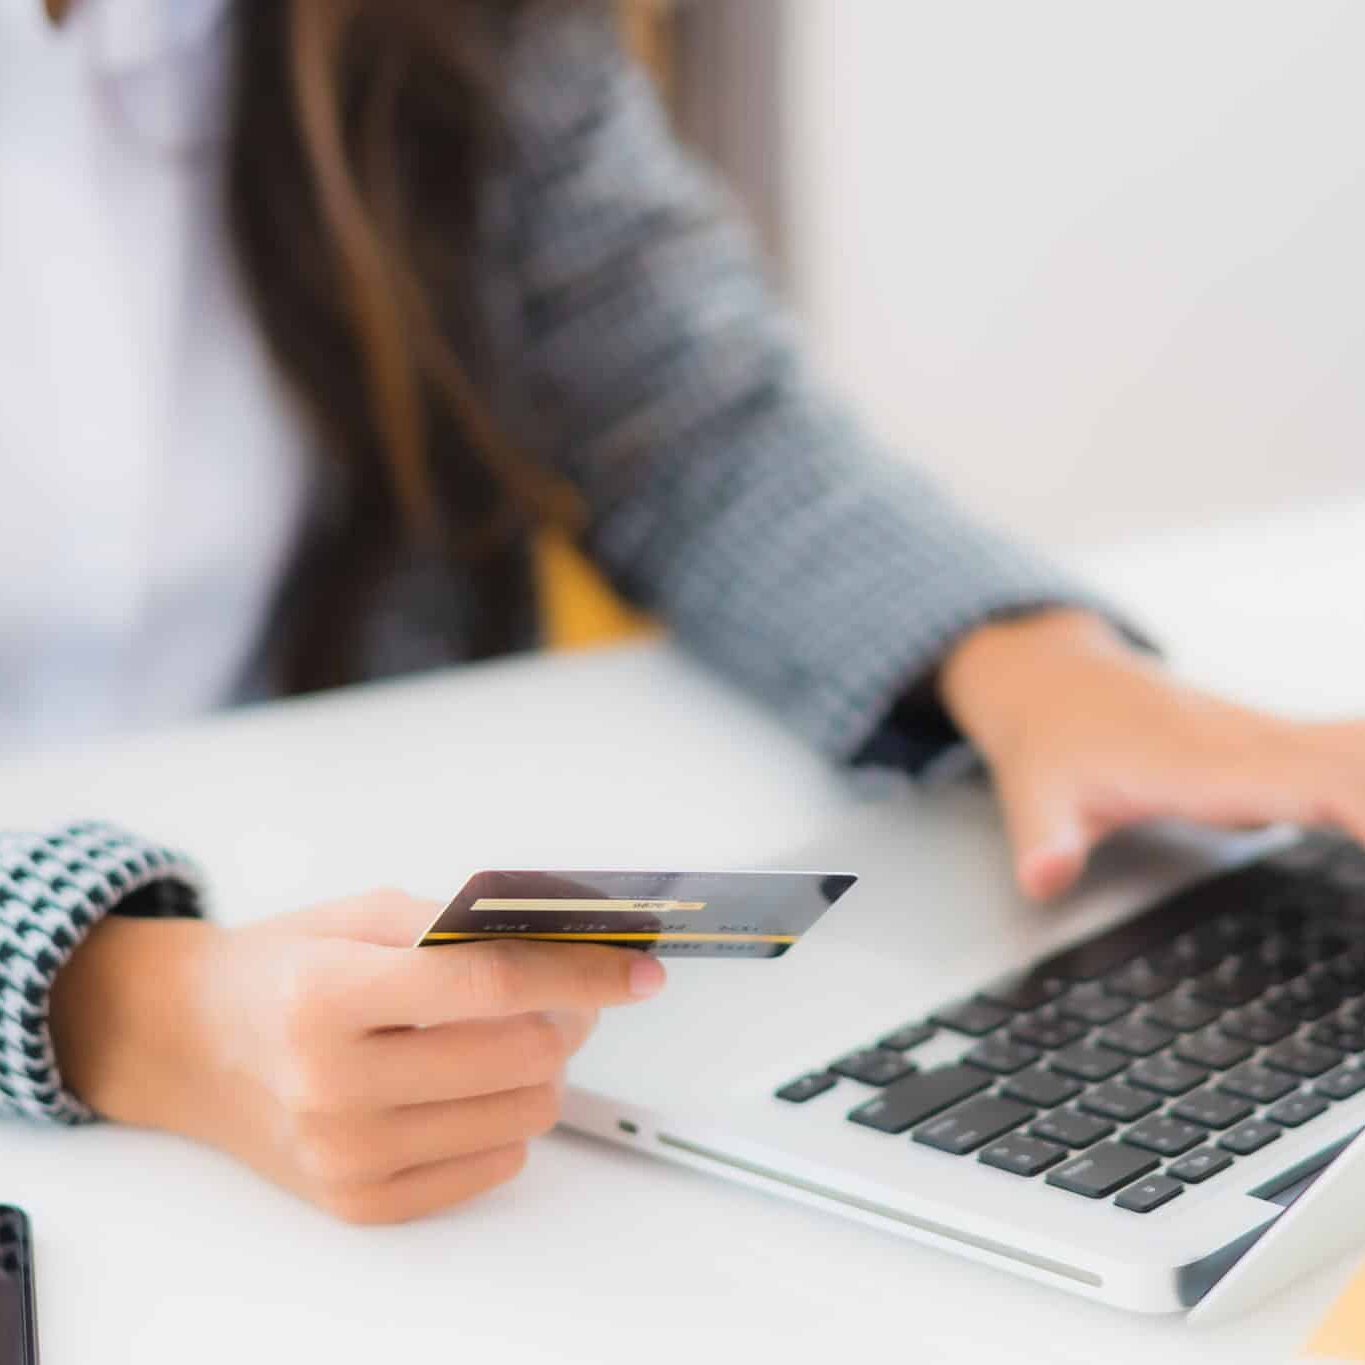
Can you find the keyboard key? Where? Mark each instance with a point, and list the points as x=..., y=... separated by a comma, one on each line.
x=1255, y=1024
x=1318, y=991
x=1254, y=1082
x=1349, y=969
x=1182, y=1012
x=1166, y=1075
x=1149, y=1194
x=1249, y=1137
x=1337, y=1031
x=1097, y=957
x=807, y=1087
x=1190, y=955
x=974, y=1017
x=1282, y=953
x=1115, y=1100
x=1301, y=1057
x=1071, y=1129
x=1199, y=1165
x=1323, y=945
x=1164, y=1135
x=1141, y=980
x=918, y=1097
x=1342, y=1083
x=873, y=1066
x=1048, y=1028
x=1147, y=935
x=1234, y=930
x=1001, y=1055
x=1322, y=948
x=973, y=1124
x=1297, y=1109
x=1087, y=1062
x=1212, y=1109
x=1024, y=990
x=1101, y=1170
x=1041, y=1088
x=911, y=1035
x=1139, y=1037
x=1022, y=1155
x=1092, y=1004
x=1234, y=981
x=1306, y=998
x=1212, y=1049
x=1295, y=921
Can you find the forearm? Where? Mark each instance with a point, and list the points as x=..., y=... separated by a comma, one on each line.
x=125, y=1020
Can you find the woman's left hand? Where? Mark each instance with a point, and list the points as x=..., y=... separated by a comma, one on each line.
x=1084, y=736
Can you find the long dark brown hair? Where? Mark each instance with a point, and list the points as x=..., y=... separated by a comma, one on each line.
x=362, y=131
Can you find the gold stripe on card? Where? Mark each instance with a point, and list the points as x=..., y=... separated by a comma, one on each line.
x=487, y=934
x=550, y=905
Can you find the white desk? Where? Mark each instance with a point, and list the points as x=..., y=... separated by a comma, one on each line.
x=154, y=1252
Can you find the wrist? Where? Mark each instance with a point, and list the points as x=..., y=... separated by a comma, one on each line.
x=995, y=673
x=126, y=1019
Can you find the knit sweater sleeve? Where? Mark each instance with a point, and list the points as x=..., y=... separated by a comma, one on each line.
x=54, y=889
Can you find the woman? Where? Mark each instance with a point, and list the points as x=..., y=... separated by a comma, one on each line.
x=313, y=310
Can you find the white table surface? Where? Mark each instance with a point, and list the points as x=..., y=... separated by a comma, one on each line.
x=155, y=1252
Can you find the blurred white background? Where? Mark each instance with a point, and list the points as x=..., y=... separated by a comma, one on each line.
x=1099, y=265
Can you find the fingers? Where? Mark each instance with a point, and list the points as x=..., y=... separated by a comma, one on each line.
x=1244, y=772
x=1048, y=834
x=382, y=1081
x=361, y=1137
x=345, y=1152
x=431, y=986
x=1342, y=749
x=431, y=1133
x=426, y=1189
x=456, y=1061
x=576, y=1025
x=1048, y=871
x=387, y=919
x=1347, y=812
x=1343, y=807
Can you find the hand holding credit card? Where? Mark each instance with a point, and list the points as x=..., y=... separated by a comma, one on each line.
x=666, y=914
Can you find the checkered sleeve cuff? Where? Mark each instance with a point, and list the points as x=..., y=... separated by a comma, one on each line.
x=54, y=888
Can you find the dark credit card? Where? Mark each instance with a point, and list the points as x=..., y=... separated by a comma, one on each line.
x=668, y=914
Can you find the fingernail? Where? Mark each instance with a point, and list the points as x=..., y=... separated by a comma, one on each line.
x=647, y=977
x=1047, y=870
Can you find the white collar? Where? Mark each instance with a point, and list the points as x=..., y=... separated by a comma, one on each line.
x=134, y=35
x=163, y=67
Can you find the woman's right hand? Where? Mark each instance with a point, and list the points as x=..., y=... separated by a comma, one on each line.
x=379, y=1082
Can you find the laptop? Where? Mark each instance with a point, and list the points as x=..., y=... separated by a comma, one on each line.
x=1147, y=1096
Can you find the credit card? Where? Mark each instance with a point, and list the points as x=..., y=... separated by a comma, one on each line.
x=668, y=914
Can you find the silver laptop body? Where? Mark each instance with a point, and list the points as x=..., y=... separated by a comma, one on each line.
x=692, y=1076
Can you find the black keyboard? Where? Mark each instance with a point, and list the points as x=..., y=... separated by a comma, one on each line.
x=1152, y=1056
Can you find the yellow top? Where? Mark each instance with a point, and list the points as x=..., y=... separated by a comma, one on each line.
x=579, y=609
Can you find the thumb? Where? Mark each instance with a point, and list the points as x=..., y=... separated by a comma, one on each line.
x=387, y=919
x=1049, y=836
